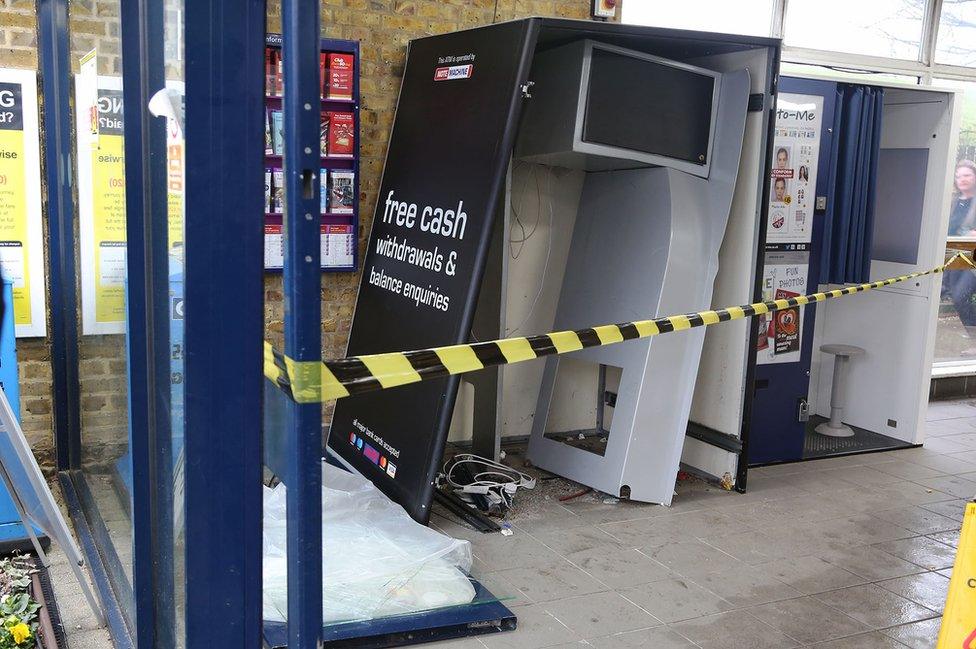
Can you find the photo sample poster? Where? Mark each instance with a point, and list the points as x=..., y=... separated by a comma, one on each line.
x=780, y=333
x=796, y=152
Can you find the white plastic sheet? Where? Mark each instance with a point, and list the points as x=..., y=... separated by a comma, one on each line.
x=376, y=560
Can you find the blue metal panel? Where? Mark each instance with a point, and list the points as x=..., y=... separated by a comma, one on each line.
x=224, y=320
x=777, y=435
x=484, y=615
x=52, y=27
x=147, y=309
x=12, y=534
x=303, y=310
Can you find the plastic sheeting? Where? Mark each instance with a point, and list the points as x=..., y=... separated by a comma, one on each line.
x=376, y=560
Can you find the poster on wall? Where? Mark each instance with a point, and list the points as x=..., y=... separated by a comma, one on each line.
x=101, y=201
x=21, y=236
x=780, y=333
x=796, y=150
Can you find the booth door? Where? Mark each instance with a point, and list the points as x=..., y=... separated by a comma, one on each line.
x=800, y=172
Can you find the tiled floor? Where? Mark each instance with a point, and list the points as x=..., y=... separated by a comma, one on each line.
x=844, y=553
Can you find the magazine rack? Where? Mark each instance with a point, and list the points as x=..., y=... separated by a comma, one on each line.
x=340, y=230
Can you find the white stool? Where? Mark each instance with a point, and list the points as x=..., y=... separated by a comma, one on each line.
x=842, y=355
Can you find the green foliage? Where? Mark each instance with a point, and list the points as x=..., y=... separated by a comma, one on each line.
x=18, y=610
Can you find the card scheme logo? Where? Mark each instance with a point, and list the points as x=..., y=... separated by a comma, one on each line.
x=451, y=72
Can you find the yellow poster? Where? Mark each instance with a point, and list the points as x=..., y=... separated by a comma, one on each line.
x=107, y=216
x=101, y=197
x=21, y=258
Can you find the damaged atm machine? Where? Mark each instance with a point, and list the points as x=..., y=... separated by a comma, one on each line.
x=543, y=175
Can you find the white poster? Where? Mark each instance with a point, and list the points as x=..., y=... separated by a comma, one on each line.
x=21, y=235
x=796, y=151
x=781, y=333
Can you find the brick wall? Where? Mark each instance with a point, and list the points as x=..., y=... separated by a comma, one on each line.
x=384, y=27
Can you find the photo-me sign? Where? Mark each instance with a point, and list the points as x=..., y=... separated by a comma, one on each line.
x=451, y=141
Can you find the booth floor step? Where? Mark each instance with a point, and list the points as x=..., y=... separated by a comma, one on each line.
x=816, y=445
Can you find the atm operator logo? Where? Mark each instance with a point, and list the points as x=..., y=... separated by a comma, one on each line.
x=453, y=72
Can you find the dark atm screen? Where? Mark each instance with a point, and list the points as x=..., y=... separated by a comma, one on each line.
x=645, y=106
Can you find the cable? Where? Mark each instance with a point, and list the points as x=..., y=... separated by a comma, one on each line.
x=545, y=268
x=496, y=481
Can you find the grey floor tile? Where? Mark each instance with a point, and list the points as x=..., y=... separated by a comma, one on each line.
x=752, y=547
x=596, y=512
x=808, y=620
x=918, y=519
x=953, y=509
x=945, y=444
x=953, y=409
x=576, y=540
x=592, y=616
x=865, y=476
x=556, y=580
x=871, y=563
x=875, y=606
x=692, y=558
x=619, y=567
x=748, y=586
x=536, y=628
x=518, y=551
x=861, y=529
x=675, y=599
x=918, y=635
x=928, y=589
x=665, y=529
x=949, y=538
x=874, y=640
x=735, y=630
x=952, y=485
x=954, y=464
x=922, y=551
x=552, y=518
x=812, y=575
x=908, y=493
x=660, y=637
x=904, y=470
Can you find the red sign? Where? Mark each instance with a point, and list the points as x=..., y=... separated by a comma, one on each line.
x=450, y=72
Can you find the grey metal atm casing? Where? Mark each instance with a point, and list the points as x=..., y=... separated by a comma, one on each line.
x=645, y=244
x=552, y=129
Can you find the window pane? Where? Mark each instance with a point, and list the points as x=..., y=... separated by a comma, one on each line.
x=955, y=338
x=957, y=31
x=890, y=28
x=750, y=17
x=806, y=70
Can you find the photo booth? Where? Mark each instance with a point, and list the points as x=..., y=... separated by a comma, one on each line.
x=883, y=383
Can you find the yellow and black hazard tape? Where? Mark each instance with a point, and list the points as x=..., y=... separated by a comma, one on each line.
x=313, y=381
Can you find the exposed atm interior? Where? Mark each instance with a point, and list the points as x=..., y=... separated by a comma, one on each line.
x=634, y=191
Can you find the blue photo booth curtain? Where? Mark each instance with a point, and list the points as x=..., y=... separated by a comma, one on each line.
x=849, y=222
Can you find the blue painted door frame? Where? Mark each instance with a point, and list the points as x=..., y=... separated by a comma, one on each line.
x=224, y=320
x=303, y=310
x=224, y=44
